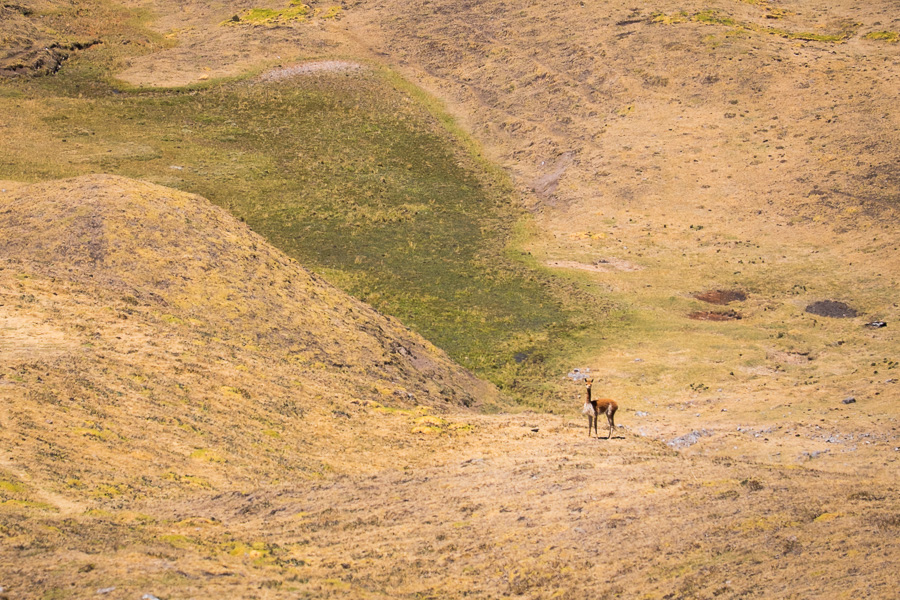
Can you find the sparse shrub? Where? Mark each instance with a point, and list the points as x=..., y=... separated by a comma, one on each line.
x=754, y=485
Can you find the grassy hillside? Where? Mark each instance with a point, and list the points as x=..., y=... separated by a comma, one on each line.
x=151, y=341
x=344, y=171
x=668, y=156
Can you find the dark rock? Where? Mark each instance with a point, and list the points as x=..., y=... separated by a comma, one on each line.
x=849, y=400
x=831, y=308
x=721, y=296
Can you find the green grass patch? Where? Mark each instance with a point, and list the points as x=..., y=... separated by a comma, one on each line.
x=362, y=177
x=883, y=36
x=295, y=11
x=841, y=33
x=713, y=17
x=11, y=487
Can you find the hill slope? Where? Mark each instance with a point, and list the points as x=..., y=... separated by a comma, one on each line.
x=152, y=341
x=204, y=446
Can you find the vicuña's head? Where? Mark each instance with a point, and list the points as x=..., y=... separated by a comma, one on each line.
x=588, y=382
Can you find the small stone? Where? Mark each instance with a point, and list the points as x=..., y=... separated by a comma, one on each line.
x=149, y=597
x=106, y=590
x=849, y=400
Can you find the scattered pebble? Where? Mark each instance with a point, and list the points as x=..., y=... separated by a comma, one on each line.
x=849, y=400
x=641, y=413
x=688, y=439
x=149, y=597
x=106, y=590
x=814, y=454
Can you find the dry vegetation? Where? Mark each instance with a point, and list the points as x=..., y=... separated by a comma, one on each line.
x=187, y=412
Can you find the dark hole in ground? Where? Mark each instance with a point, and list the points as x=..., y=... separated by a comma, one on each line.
x=831, y=308
x=721, y=296
x=712, y=315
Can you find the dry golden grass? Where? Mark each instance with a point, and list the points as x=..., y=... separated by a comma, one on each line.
x=722, y=145
x=255, y=437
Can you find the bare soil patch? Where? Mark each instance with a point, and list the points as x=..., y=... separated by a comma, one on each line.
x=309, y=68
x=721, y=296
x=713, y=315
x=23, y=337
x=831, y=308
x=793, y=358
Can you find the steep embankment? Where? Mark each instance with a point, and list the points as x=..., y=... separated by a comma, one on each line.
x=152, y=344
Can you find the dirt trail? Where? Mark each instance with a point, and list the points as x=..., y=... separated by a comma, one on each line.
x=22, y=337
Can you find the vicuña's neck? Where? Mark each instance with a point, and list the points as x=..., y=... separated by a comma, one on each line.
x=589, y=394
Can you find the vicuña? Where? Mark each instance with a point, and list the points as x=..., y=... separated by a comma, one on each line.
x=594, y=408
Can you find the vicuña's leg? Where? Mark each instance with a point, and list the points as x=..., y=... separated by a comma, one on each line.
x=611, y=417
